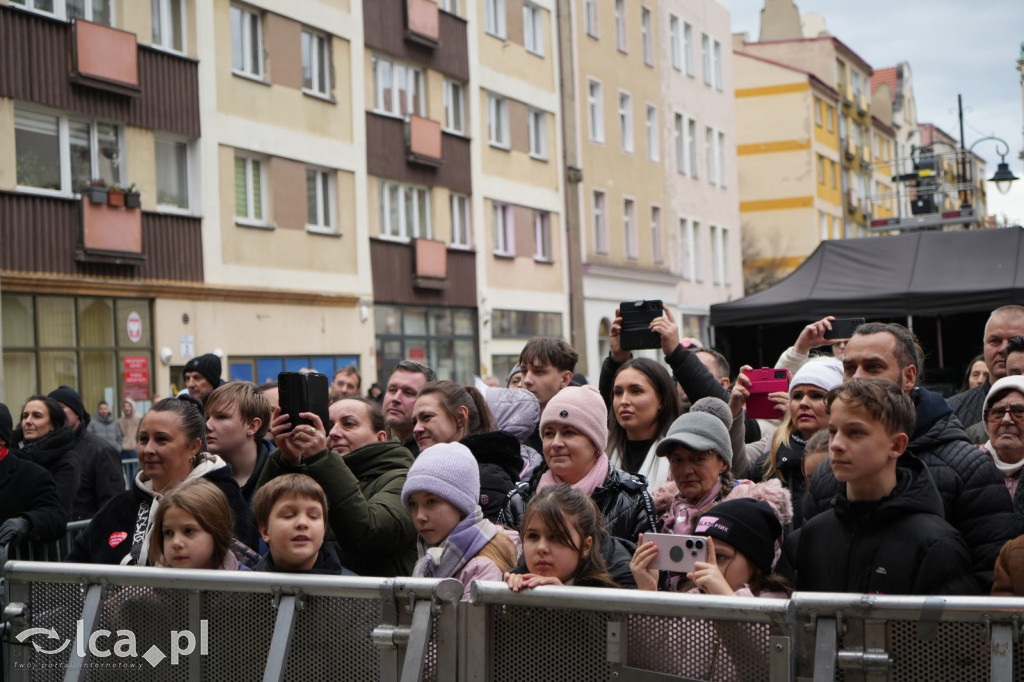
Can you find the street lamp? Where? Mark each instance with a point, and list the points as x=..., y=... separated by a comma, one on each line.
x=1003, y=176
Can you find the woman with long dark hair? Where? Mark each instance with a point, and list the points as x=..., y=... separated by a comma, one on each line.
x=644, y=404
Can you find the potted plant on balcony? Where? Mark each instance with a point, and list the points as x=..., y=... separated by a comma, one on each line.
x=115, y=196
x=132, y=197
x=96, y=190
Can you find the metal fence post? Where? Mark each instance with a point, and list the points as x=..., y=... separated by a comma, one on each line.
x=280, y=644
x=825, y=650
x=1002, y=652
x=90, y=616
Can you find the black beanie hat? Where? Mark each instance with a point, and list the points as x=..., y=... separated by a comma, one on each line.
x=208, y=365
x=749, y=525
x=6, y=425
x=65, y=395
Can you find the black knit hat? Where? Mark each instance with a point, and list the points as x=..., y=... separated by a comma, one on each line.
x=6, y=425
x=749, y=525
x=208, y=365
x=65, y=395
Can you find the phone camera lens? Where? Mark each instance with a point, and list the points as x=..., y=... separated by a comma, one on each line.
x=780, y=374
x=689, y=544
x=700, y=544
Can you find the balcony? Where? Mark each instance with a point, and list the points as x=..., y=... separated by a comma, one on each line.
x=423, y=271
x=423, y=140
x=421, y=23
x=104, y=58
x=390, y=147
x=847, y=91
x=110, y=234
x=850, y=149
x=865, y=155
x=852, y=201
x=863, y=106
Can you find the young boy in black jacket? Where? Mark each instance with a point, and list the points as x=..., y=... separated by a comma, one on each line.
x=290, y=511
x=885, y=532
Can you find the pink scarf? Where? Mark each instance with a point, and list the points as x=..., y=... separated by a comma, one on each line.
x=680, y=516
x=587, y=485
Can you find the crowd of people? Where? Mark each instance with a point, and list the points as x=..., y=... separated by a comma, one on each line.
x=866, y=482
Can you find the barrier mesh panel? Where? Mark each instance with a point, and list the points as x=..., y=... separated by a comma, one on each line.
x=331, y=641
x=56, y=606
x=959, y=651
x=698, y=649
x=240, y=629
x=562, y=645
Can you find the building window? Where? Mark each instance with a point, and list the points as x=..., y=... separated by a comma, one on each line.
x=404, y=211
x=688, y=48
x=398, y=88
x=721, y=153
x=675, y=42
x=620, y=25
x=542, y=236
x=719, y=255
x=653, y=151
x=64, y=154
x=96, y=11
x=600, y=223
x=716, y=64
x=316, y=63
x=454, y=107
x=709, y=154
x=629, y=228
x=679, y=142
x=656, y=253
x=691, y=144
x=686, y=254
x=320, y=200
x=533, y=29
x=830, y=117
x=524, y=324
x=824, y=226
x=705, y=56
x=459, y=205
x=538, y=130
x=590, y=17
x=171, y=174
x=169, y=24
x=821, y=169
x=595, y=110
x=832, y=174
x=249, y=190
x=818, y=104
x=497, y=121
x=504, y=229
x=494, y=18
x=450, y=6
x=698, y=248
x=647, y=38
x=246, y=42
x=626, y=121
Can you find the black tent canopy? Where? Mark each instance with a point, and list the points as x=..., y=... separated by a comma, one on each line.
x=920, y=273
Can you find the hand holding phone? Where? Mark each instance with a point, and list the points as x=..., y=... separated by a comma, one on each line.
x=763, y=382
x=303, y=392
x=677, y=553
x=636, y=324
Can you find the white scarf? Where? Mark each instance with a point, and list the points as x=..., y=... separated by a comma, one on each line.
x=1007, y=469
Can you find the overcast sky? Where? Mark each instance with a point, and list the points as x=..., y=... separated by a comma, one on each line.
x=953, y=46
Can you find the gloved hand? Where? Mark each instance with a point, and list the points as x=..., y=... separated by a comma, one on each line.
x=14, y=530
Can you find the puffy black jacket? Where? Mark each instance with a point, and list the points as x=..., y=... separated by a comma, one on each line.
x=968, y=405
x=102, y=474
x=974, y=497
x=622, y=498
x=28, y=490
x=897, y=545
x=789, y=461
x=497, y=455
x=55, y=452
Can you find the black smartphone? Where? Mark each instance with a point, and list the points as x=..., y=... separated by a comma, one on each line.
x=304, y=392
x=636, y=321
x=843, y=327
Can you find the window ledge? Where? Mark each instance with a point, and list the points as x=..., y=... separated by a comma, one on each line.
x=496, y=35
x=398, y=239
x=503, y=255
x=505, y=147
x=537, y=157
x=457, y=133
x=319, y=95
x=258, y=224
x=535, y=54
x=43, y=192
x=544, y=261
x=168, y=50
x=251, y=77
x=322, y=231
x=170, y=209
x=460, y=247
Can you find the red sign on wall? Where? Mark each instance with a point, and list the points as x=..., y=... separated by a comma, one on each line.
x=136, y=377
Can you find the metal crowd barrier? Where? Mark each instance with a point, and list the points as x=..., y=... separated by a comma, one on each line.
x=83, y=621
x=218, y=625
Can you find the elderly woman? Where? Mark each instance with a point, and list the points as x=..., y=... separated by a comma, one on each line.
x=1004, y=421
x=172, y=444
x=45, y=438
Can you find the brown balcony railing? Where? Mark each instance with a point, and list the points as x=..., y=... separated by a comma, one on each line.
x=422, y=23
x=104, y=57
x=424, y=137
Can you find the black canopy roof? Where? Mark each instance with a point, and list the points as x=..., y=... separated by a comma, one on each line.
x=920, y=273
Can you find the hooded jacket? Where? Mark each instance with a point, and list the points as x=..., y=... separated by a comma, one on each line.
x=55, y=452
x=102, y=474
x=897, y=545
x=107, y=430
x=372, y=528
x=974, y=497
x=129, y=428
x=517, y=412
x=119, y=533
x=497, y=455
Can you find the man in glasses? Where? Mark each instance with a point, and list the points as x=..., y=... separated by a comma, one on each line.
x=1004, y=421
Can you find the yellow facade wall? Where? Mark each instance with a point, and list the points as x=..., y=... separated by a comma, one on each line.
x=518, y=166
x=522, y=272
x=512, y=59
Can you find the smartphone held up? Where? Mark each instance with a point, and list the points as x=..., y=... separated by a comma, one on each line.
x=636, y=324
x=304, y=392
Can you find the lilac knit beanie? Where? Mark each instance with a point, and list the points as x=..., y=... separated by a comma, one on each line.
x=449, y=471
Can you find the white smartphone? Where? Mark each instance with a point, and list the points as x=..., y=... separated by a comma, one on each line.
x=677, y=553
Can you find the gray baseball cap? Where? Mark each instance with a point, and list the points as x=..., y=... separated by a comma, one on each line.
x=698, y=431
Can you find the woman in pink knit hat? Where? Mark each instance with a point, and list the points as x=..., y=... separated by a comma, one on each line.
x=574, y=430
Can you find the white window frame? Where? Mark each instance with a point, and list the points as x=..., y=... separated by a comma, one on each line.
x=462, y=227
x=675, y=41
x=64, y=150
x=716, y=65
x=698, y=247
x=415, y=84
x=679, y=141
x=60, y=10
x=646, y=36
x=503, y=221
x=326, y=221
x=533, y=29
x=316, y=48
x=495, y=22
x=830, y=115
x=688, y=48
x=250, y=218
x=248, y=69
x=692, y=155
x=629, y=231
x=716, y=255
x=687, y=250
x=421, y=224
x=498, y=134
x=720, y=153
x=818, y=106
x=163, y=12
x=595, y=109
x=726, y=261
x=709, y=154
x=626, y=121
x=705, y=57
x=823, y=219
x=450, y=6
x=174, y=208
x=590, y=18
x=536, y=123
x=454, y=103
x=542, y=237
x=651, y=123
x=599, y=208
x=620, y=26
x=656, y=238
